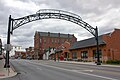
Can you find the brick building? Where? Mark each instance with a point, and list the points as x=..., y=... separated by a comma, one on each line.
x=30, y=52
x=63, y=51
x=109, y=48
x=0, y=47
x=44, y=40
x=20, y=54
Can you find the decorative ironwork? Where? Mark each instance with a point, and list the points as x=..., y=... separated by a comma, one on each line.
x=52, y=14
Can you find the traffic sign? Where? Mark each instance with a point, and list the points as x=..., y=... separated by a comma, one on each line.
x=8, y=47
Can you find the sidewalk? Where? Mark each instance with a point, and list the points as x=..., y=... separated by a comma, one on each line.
x=6, y=72
x=90, y=63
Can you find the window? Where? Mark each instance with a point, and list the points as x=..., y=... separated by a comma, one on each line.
x=52, y=41
x=84, y=54
x=58, y=41
x=44, y=40
x=95, y=53
x=40, y=40
x=19, y=48
x=55, y=41
x=49, y=40
x=74, y=55
x=62, y=40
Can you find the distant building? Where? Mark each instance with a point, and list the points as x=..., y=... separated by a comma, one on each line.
x=45, y=40
x=0, y=47
x=48, y=52
x=30, y=52
x=62, y=51
x=14, y=49
x=20, y=55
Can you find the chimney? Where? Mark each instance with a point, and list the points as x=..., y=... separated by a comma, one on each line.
x=68, y=35
x=48, y=33
x=73, y=35
x=58, y=34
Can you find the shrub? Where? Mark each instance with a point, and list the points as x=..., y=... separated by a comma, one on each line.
x=113, y=62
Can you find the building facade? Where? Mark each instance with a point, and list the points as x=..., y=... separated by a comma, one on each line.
x=63, y=52
x=44, y=40
x=48, y=53
x=85, y=50
x=14, y=49
x=20, y=55
x=109, y=48
x=0, y=47
x=30, y=53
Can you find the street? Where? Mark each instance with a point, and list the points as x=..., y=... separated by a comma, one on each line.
x=50, y=70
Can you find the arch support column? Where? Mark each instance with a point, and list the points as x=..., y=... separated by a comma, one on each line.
x=8, y=43
x=98, y=54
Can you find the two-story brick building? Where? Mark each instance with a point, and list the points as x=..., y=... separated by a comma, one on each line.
x=108, y=44
x=44, y=40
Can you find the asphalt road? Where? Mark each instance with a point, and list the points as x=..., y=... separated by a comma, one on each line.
x=50, y=70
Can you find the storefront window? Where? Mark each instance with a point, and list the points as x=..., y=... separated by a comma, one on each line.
x=74, y=55
x=40, y=40
x=95, y=53
x=84, y=54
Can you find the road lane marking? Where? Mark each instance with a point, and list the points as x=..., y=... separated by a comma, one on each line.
x=74, y=71
x=38, y=68
x=83, y=70
x=88, y=70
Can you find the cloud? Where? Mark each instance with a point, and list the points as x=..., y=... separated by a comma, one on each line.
x=101, y=13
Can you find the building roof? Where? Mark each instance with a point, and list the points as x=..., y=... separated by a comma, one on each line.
x=87, y=43
x=55, y=34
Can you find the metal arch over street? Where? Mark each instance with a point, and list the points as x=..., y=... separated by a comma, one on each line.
x=53, y=14
x=49, y=14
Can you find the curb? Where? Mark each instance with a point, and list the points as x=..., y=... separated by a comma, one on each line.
x=76, y=63
x=90, y=64
x=12, y=67
x=12, y=72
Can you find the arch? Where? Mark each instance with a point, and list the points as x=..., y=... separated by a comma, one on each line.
x=49, y=14
x=52, y=14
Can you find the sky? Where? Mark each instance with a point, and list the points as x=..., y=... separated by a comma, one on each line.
x=105, y=14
